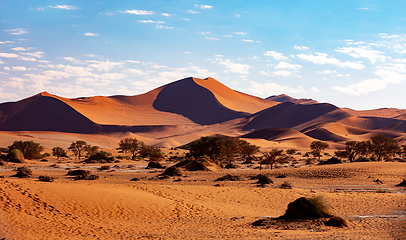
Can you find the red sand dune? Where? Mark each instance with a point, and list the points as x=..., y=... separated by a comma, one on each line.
x=184, y=110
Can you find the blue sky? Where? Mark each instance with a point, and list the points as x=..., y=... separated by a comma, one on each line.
x=350, y=53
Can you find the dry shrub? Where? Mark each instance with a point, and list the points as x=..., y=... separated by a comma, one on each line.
x=262, y=179
x=172, y=171
x=44, y=178
x=307, y=208
x=228, y=177
x=103, y=168
x=286, y=185
x=155, y=164
x=23, y=172
x=336, y=221
x=402, y=184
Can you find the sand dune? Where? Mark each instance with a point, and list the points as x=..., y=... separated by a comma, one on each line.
x=286, y=98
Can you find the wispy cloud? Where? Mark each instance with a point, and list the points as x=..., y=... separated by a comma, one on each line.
x=247, y=40
x=286, y=65
x=270, y=88
x=363, y=52
x=21, y=49
x=16, y=31
x=138, y=12
x=150, y=21
x=235, y=67
x=162, y=27
x=89, y=34
x=192, y=12
x=241, y=33
x=276, y=55
x=212, y=38
x=204, y=6
x=166, y=14
x=9, y=55
x=300, y=48
x=323, y=58
x=65, y=7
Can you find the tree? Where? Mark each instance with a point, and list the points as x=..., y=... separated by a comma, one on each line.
x=352, y=150
x=153, y=153
x=30, y=149
x=78, y=148
x=317, y=147
x=130, y=146
x=247, y=150
x=290, y=152
x=91, y=150
x=273, y=157
x=383, y=146
x=59, y=152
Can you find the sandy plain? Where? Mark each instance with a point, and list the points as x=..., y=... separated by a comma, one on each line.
x=195, y=206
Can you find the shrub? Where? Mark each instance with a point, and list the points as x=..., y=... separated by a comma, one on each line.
x=336, y=221
x=154, y=164
x=134, y=179
x=402, y=184
x=100, y=157
x=16, y=156
x=102, y=168
x=23, y=172
x=77, y=172
x=59, y=152
x=46, y=178
x=228, y=177
x=286, y=185
x=30, y=149
x=172, y=171
x=307, y=208
x=262, y=179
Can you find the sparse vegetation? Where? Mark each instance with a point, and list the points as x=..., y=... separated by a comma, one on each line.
x=59, y=152
x=23, y=172
x=272, y=157
x=78, y=148
x=307, y=208
x=318, y=147
x=286, y=185
x=29, y=149
x=15, y=156
x=130, y=146
x=44, y=178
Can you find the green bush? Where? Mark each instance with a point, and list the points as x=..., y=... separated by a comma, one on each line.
x=16, y=156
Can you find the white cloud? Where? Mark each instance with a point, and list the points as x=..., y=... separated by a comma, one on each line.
x=296, y=47
x=327, y=71
x=279, y=73
x=204, y=6
x=150, y=21
x=6, y=42
x=34, y=54
x=162, y=27
x=17, y=68
x=285, y=65
x=9, y=55
x=16, y=31
x=65, y=7
x=247, y=40
x=136, y=72
x=138, y=12
x=363, y=8
x=241, y=33
x=212, y=38
x=203, y=33
x=323, y=58
x=276, y=55
x=269, y=88
x=192, y=12
x=89, y=34
x=363, y=52
x=166, y=14
x=235, y=67
x=28, y=59
x=71, y=59
x=187, y=52
x=15, y=82
x=104, y=66
x=21, y=49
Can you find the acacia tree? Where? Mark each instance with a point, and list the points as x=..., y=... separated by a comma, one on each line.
x=130, y=146
x=29, y=149
x=59, y=152
x=317, y=147
x=384, y=146
x=153, y=153
x=272, y=157
x=78, y=148
x=247, y=150
x=352, y=150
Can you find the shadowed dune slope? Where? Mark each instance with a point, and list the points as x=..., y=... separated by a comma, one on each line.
x=195, y=102
x=289, y=115
x=43, y=113
x=370, y=123
x=232, y=99
x=325, y=135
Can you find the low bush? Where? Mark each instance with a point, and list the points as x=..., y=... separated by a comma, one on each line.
x=286, y=185
x=262, y=179
x=15, y=156
x=154, y=164
x=228, y=177
x=23, y=172
x=104, y=168
x=43, y=178
x=172, y=171
x=307, y=208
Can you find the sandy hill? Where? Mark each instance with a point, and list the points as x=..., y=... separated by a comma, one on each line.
x=182, y=111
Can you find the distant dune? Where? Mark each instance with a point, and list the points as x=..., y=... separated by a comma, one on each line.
x=182, y=111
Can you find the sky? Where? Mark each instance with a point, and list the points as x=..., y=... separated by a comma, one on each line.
x=350, y=53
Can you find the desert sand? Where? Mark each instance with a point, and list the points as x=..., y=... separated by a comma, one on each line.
x=195, y=206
